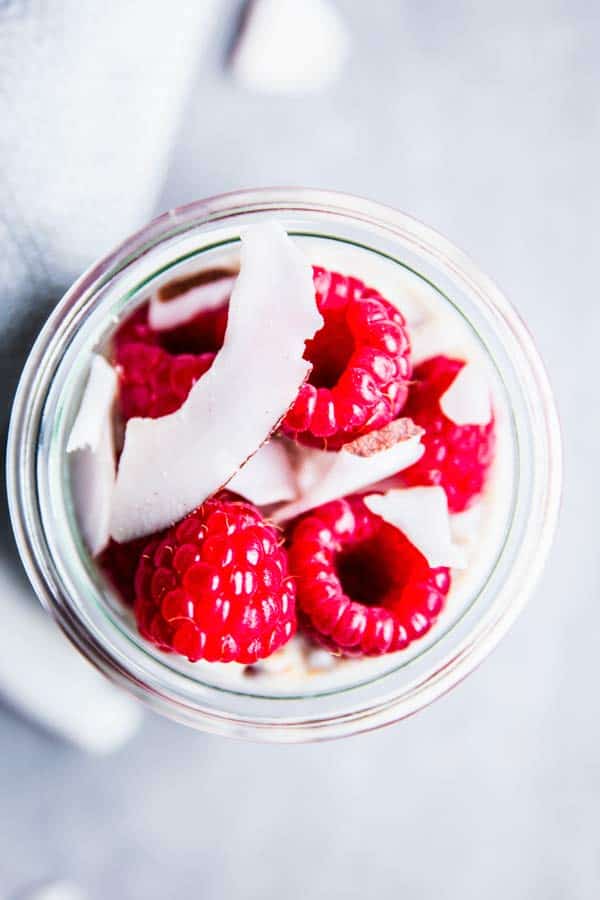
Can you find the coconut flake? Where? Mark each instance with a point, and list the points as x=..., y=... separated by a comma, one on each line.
x=467, y=400
x=286, y=46
x=172, y=464
x=268, y=476
x=95, y=407
x=326, y=476
x=92, y=452
x=166, y=314
x=421, y=513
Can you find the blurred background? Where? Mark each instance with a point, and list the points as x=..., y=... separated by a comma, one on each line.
x=482, y=120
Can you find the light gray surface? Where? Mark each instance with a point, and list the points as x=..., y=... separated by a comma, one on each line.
x=482, y=119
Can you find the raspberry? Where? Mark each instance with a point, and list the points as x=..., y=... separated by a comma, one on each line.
x=152, y=382
x=363, y=588
x=119, y=562
x=135, y=330
x=457, y=457
x=157, y=369
x=215, y=586
x=202, y=334
x=361, y=365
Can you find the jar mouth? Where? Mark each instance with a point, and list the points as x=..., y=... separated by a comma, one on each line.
x=68, y=582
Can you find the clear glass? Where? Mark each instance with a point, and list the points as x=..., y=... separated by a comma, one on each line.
x=72, y=589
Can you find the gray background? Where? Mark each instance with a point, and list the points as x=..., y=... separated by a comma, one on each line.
x=482, y=119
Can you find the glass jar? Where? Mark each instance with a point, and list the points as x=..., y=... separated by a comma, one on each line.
x=69, y=583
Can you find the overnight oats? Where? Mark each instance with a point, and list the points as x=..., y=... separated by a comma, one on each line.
x=286, y=469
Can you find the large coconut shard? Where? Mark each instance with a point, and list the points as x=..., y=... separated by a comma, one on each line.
x=172, y=464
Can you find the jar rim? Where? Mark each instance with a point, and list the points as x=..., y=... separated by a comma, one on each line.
x=301, y=721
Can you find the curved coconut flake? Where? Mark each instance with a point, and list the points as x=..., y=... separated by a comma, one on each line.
x=166, y=314
x=268, y=476
x=172, y=464
x=92, y=452
x=286, y=46
x=326, y=476
x=95, y=407
x=467, y=401
x=421, y=513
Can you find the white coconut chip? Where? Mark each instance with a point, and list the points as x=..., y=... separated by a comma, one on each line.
x=268, y=476
x=92, y=452
x=290, y=47
x=95, y=405
x=421, y=513
x=166, y=314
x=326, y=476
x=172, y=464
x=467, y=401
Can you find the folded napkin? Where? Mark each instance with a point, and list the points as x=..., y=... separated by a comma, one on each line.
x=90, y=99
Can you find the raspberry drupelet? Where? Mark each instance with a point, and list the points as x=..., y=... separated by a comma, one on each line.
x=216, y=586
x=361, y=365
x=457, y=457
x=362, y=588
x=152, y=382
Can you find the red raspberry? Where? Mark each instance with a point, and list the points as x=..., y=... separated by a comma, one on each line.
x=457, y=457
x=119, y=562
x=363, y=588
x=157, y=369
x=361, y=365
x=135, y=330
x=215, y=586
x=152, y=382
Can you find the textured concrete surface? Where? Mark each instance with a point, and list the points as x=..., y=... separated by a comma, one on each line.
x=483, y=120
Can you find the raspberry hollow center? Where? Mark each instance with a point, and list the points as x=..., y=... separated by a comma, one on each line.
x=330, y=352
x=364, y=573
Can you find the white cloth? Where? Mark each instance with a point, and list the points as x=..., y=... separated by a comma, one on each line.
x=90, y=99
